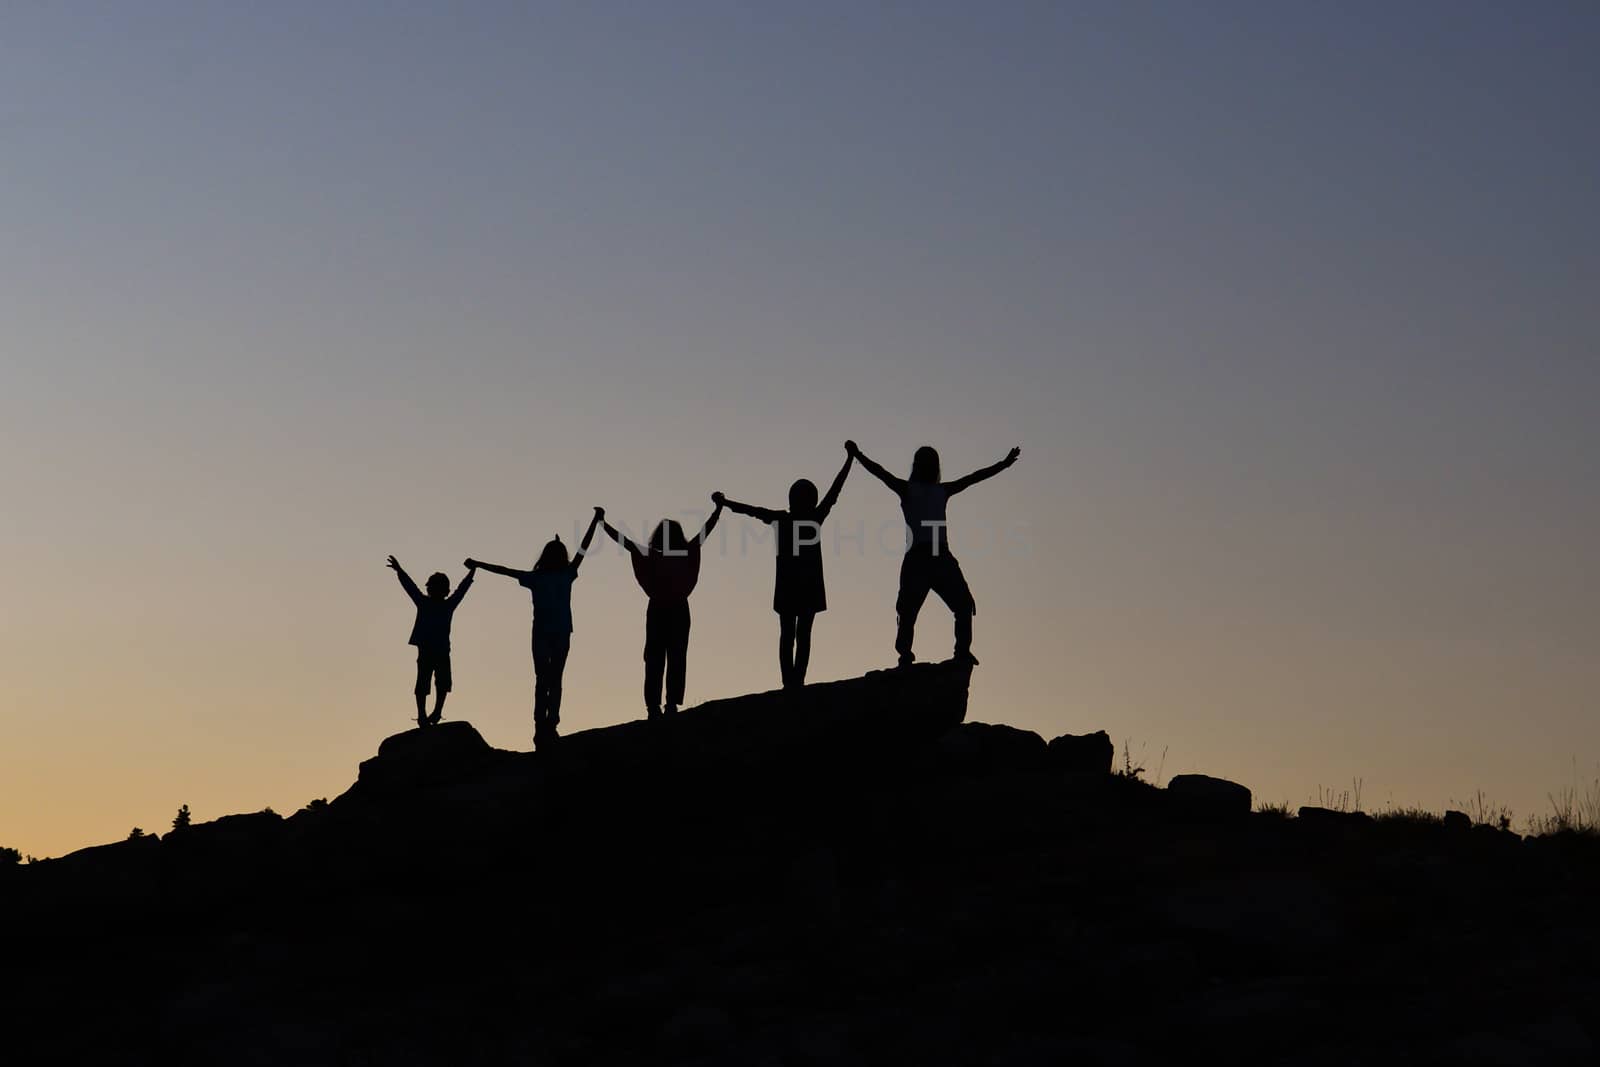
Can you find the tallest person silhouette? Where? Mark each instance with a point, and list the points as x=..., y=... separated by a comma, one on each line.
x=928, y=564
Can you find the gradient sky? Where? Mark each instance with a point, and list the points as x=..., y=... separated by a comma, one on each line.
x=1291, y=306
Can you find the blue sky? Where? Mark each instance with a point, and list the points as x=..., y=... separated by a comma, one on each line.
x=1290, y=306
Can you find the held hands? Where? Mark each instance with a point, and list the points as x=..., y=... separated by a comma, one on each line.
x=718, y=499
x=600, y=514
x=852, y=448
x=471, y=565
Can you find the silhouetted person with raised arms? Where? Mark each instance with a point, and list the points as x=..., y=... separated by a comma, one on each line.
x=928, y=563
x=431, y=634
x=798, y=591
x=667, y=570
x=550, y=585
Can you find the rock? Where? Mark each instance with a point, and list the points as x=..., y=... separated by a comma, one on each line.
x=1329, y=818
x=1082, y=753
x=989, y=748
x=1206, y=797
x=855, y=722
x=427, y=756
x=1457, y=820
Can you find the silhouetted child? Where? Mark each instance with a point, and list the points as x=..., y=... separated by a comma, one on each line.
x=928, y=563
x=667, y=570
x=798, y=591
x=550, y=584
x=431, y=634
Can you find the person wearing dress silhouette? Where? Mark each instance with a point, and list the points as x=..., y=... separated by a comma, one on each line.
x=666, y=569
x=431, y=635
x=798, y=591
x=550, y=585
x=928, y=564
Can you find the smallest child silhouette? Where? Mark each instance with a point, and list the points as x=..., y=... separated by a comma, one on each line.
x=431, y=634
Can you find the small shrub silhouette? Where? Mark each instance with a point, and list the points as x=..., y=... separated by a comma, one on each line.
x=1484, y=813
x=135, y=834
x=1343, y=800
x=180, y=821
x=1408, y=816
x=9, y=857
x=1571, y=810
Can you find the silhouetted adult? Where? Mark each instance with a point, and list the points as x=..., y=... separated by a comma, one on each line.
x=798, y=591
x=928, y=563
x=431, y=635
x=667, y=570
x=550, y=585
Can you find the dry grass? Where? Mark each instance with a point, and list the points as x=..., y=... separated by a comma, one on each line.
x=1574, y=808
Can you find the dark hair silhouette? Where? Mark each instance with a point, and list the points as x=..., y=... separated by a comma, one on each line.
x=925, y=465
x=668, y=536
x=438, y=585
x=802, y=498
x=553, y=556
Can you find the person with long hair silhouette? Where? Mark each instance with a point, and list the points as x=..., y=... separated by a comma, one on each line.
x=550, y=584
x=667, y=569
x=798, y=591
x=928, y=564
x=431, y=635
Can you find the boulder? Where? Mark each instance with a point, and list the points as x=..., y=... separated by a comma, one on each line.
x=1082, y=753
x=853, y=722
x=1203, y=796
x=428, y=756
x=990, y=748
x=1328, y=817
x=1457, y=820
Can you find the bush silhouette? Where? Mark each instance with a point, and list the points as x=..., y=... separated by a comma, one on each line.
x=9, y=857
x=181, y=820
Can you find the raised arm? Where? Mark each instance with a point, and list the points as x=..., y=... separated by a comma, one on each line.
x=626, y=542
x=979, y=475
x=716, y=513
x=764, y=514
x=495, y=568
x=877, y=471
x=405, y=580
x=831, y=497
x=466, y=583
x=588, y=536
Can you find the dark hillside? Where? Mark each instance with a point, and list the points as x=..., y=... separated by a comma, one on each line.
x=849, y=874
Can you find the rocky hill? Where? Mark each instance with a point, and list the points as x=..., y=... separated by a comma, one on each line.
x=848, y=874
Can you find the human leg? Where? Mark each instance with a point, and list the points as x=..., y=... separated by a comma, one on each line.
x=786, y=648
x=915, y=581
x=424, y=672
x=655, y=657
x=441, y=686
x=541, y=684
x=951, y=585
x=560, y=645
x=677, y=654
x=802, y=646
